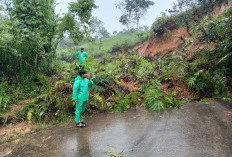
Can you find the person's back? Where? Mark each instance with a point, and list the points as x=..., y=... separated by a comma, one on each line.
x=81, y=56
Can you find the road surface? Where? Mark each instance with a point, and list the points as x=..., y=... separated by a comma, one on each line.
x=195, y=130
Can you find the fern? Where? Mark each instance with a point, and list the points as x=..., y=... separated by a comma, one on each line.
x=191, y=82
x=153, y=97
x=123, y=102
x=171, y=101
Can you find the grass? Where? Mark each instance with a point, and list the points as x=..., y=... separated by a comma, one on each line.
x=102, y=47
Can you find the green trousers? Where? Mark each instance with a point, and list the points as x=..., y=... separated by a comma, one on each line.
x=80, y=109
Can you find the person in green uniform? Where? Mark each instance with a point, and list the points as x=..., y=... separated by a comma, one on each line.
x=81, y=56
x=81, y=95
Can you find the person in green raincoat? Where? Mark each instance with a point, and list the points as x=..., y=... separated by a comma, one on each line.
x=81, y=56
x=81, y=95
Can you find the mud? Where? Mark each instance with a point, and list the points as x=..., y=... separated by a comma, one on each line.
x=195, y=130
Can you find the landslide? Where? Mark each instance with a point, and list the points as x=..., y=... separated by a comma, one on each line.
x=160, y=45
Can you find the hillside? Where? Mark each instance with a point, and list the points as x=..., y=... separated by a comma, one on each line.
x=161, y=45
x=103, y=47
x=129, y=79
x=164, y=43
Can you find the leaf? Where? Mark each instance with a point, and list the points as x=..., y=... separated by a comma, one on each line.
x=224, y=58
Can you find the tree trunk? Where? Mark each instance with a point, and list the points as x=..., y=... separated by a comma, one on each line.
x=54, y=56
x=128, y=27
x=138, y=25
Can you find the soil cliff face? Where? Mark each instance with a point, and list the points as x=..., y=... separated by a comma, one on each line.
x=154, y=46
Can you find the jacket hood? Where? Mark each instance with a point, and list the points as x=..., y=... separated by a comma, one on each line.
x=78, y=78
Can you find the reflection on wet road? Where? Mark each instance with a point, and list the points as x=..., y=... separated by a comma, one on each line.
x=196, y=130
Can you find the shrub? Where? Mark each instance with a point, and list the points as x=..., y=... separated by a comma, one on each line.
x=153, y=97
x=163, y=24
x=122, y=103
x=145, y=70
x=170, y=101
x=207, y=84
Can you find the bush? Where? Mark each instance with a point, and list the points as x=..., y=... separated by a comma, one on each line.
x=170, y=101
x=163, y=24
x=206, y=84
x=122, y=104
x=53, y=106
x=210, y=74
x=153, y=97
x=5, y=99
x=67, y=55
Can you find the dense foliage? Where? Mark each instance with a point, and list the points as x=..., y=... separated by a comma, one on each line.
x=122, y=79
x=29, y=35
x=208, y=69
x=133, y=11
x=25, y=39
x=185, y=13
x=213, y=76
x=121, y=82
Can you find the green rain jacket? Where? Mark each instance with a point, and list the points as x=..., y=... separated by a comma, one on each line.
x=81, y=89
x=81, y=56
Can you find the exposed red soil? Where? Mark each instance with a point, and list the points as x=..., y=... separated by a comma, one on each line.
x=219, y=10
x=159, y=46
x=128, y=83
x=180, y=88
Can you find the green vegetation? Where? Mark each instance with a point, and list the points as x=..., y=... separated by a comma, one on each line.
x=155, y=99
x=133, y=12
x=116, y=43
x=122, y=79
x=30, y=32
x=208, y=71
x=109, y=92
x=185, y=13
x=212, y=73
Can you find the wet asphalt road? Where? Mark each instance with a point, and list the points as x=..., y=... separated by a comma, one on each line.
x=195, y=130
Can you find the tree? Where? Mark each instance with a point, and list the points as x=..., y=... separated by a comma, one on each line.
x=115, y=33
x=104, y=33
x=140, y=8
x=127, y=9
x=97, y=29
x=203, y=5
x=76, y=22
x=145, y=28
x=82, y=13
x=30, y=32
x=31, y=25
x=133, y=11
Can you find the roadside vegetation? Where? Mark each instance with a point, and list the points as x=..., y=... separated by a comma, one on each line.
x=207, y=51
